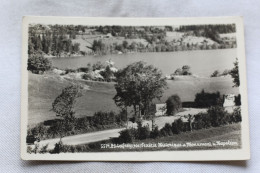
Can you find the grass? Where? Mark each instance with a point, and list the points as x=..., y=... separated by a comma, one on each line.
x=43, y=89
x=231, y=132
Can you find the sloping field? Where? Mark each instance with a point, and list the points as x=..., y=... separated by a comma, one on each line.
x=98, y=96
x=43, y=89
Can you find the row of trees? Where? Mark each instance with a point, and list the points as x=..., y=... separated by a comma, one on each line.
x=154, y=45
x=216, y=116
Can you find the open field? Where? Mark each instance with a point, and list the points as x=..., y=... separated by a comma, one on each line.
x=86, y=41
x=43, y=89
x=98, y=96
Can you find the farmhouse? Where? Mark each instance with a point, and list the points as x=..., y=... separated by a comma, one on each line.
x=229, y=100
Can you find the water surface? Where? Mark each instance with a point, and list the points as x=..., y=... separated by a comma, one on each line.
x=202, y=62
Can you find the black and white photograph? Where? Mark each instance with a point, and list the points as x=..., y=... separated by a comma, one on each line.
x=134, y=89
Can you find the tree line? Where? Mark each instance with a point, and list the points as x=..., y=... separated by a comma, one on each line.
x=56, y=40
x=215, y=117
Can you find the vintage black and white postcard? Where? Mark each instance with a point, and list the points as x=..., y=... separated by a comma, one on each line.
x=134, y=89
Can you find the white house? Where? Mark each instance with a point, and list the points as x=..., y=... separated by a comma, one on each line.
x=229, y=100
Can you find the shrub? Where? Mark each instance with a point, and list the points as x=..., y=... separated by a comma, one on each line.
x=163, y=132
x=143, y=133
x=201, y=121
x=177, y=126
x=173, y=104
x=236, y=115
x=218, y=116
x=29, y=149
x=215, y=74
x=184, y=71
x=67, y=71
x=38, y=64
x=87, y=76
x=155, y=133
x=107, y=74
x=58, y=148
x=238, y=100
x=126, y=136
x=83, y=69
x=44, y=149
x=168, y=129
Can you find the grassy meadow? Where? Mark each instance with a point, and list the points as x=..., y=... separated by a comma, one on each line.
x=98, y=96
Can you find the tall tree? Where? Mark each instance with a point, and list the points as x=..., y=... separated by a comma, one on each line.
x=63, y=106
x=137, y=85
x=235, y=74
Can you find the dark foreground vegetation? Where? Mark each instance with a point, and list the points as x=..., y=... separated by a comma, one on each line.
x=215, y=118
x=62, y=127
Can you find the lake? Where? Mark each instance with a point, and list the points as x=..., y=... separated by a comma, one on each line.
x=202, y=62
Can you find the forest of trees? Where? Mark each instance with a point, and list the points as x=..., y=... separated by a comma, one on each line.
x=55, y=42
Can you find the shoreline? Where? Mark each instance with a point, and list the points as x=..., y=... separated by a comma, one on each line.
x=79, y=56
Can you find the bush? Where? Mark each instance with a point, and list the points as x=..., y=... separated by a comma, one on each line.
x=215, y=74
x=201, y=121
x=83, y=69
x=236, y=116
x=143, y=132
x=177, y=126
x=184, y=71
x=87, y=76
x=126, y=136
x=38, y=64
x=173, y=104
x=44, y=149
x=155, y=133
x=29, y=150
x=58, y=148
x=168, y=129
x=67, y=71
x=218, y=116
x=238, y=100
